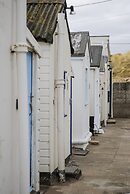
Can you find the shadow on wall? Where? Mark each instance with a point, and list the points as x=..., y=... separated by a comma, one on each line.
x=121, y=99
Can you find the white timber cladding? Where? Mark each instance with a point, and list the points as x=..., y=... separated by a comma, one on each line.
x=92, y=91
x=67, y=68
x=32, y=43
x=104, y=41
x=78, y=100
x=94, y=97
x=7, y=102
x=47, y=102
x=10, y=154
x=43, y=107
x=68, y=73
x=35, y=126
x=104, y=95
x=81, y=93
x=97, y=101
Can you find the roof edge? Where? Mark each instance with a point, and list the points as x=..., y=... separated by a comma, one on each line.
x=45, y=2
x=101, y=36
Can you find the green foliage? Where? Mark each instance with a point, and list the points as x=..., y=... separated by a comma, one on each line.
x=121, y=66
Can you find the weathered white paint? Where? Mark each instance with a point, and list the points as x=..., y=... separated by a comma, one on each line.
x=35, y=124
x=6, y=101
x=60, y=97
x=112, y=95
x=81, y=90
x=104, y=88
x=14, y=146
x=23, y=126
x=95, y=97
x=47, y=100
x=102, y=96
x=33, y=43
x=92, y=91
x=105, y=77
x=97, y=102
x=45, y=92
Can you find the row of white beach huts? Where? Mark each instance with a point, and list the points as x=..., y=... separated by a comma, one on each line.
x=56, y=90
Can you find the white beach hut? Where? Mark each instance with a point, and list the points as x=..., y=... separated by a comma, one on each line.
x=49, y=25
x=106, y=86
x=80, y=61
x=96, y=53
x=19, y=51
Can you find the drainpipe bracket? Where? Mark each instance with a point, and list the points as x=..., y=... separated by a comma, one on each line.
x=60, y=83
x=19, y=48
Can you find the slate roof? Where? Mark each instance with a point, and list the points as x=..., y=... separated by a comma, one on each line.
x=79, y=42
x=42, y=18
x=96, y=54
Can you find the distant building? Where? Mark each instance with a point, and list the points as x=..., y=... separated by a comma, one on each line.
x=96, y=53
x=106, y=87
x=81, y=60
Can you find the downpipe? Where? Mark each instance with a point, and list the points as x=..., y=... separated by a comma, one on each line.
x=60, y=98
x=60, y=126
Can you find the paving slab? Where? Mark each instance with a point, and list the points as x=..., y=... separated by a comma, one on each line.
x=106, y=168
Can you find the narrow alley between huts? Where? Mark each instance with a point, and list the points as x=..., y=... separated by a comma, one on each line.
x=106, y=168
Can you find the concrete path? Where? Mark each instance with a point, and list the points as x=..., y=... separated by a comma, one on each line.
x=106, y=169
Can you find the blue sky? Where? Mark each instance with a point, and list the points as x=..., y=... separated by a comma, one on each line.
x=111, y=18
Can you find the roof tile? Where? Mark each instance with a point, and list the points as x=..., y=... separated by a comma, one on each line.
x=79, y=42
x=42, y=18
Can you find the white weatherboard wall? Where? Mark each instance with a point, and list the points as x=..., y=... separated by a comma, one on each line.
x=92, y=92
x=104, y=41
x=43, y=111
x=35, y=49
x=47, y=103
x=97, y=101
x=6, y=100
x=94, y=97
x=81, y=83
x=102, y=97
x=104, y=105
x=10, y=176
